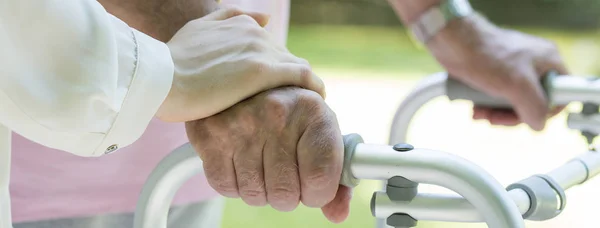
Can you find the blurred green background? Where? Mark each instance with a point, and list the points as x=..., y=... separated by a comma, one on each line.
x=365, y=38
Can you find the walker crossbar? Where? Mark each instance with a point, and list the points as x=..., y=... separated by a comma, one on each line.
x=481, y=198
x=560, y=90
x=452, y=208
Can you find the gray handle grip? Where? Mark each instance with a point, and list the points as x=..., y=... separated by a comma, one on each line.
x=456, y=90
x=350, y=143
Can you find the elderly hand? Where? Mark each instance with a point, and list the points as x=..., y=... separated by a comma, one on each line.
x=279, y=147
x=224, y=58
x=502, y=63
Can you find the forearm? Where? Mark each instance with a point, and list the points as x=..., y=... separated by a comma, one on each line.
x=468, y=33
x=160, y=19
x=409, y=10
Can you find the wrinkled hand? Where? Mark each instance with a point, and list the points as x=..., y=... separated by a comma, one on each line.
x=279, y=147
x=502, y=63
x=224, y=58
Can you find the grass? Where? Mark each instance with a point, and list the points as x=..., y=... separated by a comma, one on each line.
x=240, y=215
x=390, y=51
x=359, y=48
x=356, y=51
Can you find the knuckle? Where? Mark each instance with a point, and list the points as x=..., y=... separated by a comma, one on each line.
x=277, y=110
x=248, y=124
x=303, y=61
x=257, y=201
x=305, y=74
x=318, y=178
x=520, y=86
x=253, y=196
x=200, y=151
x=549, y=48
x=512, y=84
x=214, y=173
x=311, y=102
x=258, y=67
x=285, y=189
x=553, y=53
x=252, y=193
x=255, y=46
x=226, y=188
x=211, y=123
x=218, y=179
x=197, y=133
x=244, y=19
x=310, y=97
x=284, y=194
x=256, y=31
x=250, y=180
x=211, y=129
x=233, y=11
x=274, y=101
x=551, y=45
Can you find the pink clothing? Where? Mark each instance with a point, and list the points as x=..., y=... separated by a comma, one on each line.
x=50, y=184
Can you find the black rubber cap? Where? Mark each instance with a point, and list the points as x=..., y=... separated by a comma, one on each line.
x=373, y=198
x=401, y=220
x=403, y=147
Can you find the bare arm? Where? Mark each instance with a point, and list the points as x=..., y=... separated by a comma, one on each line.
x=160, y=19
x=500, y=62
x=409, y=10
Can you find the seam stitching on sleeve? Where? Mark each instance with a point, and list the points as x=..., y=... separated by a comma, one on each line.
x=135, y=71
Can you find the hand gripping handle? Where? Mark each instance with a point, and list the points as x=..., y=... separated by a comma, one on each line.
x=456, y=90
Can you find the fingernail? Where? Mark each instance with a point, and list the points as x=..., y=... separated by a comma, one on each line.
x=267, y=20
x=539, y=126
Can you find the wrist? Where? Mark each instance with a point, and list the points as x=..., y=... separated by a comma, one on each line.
x=430, y=22
x=160, y=19
x=409, y=10
x=170, y=109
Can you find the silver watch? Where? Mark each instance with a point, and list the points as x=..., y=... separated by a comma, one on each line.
x=436, y=18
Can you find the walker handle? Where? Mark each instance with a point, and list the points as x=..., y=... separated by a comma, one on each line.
x=350, y=142
x=456, y=90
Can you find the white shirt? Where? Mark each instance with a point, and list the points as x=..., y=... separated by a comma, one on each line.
x=75, y=78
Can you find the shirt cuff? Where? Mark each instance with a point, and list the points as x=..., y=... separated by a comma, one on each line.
x=152, y=71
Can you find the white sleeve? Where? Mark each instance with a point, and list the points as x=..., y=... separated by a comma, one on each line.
x=77, y=79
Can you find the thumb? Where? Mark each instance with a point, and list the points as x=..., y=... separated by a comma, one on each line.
x=530, y=102
x=338, y=209
x=228, y=12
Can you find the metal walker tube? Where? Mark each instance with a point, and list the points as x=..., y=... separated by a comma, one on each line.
x=432, y=87
x=437, y=207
